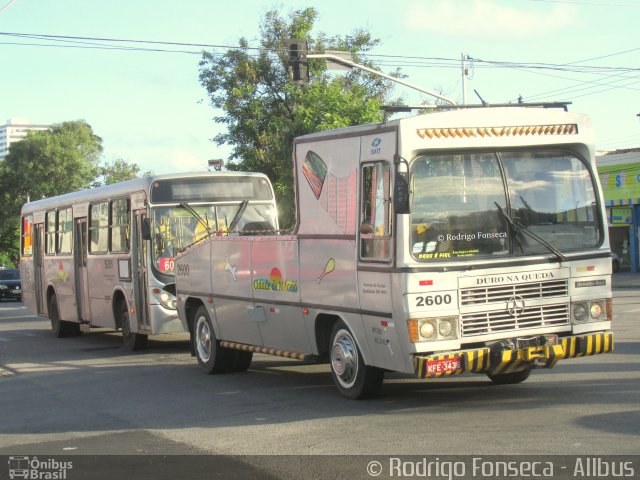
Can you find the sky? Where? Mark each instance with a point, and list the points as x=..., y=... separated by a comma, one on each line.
x=150, y=109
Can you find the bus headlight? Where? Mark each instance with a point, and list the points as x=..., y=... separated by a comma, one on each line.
x=433, y=329
x=166, y=299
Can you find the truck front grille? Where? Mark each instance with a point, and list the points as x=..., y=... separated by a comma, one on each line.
x=496, y=321
x=502, y=293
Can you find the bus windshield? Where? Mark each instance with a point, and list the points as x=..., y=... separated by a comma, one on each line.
x=176, y=227
x=497, y=203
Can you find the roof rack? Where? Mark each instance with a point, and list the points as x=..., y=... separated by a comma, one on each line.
x=391, y=109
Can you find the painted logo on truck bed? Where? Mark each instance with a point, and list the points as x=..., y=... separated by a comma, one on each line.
x=315, y=171
x=275, y=283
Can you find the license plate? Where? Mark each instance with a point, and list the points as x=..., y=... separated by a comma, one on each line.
x=442, y=367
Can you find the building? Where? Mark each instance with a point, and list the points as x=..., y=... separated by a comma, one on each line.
x=14, y=131
x=620, y=177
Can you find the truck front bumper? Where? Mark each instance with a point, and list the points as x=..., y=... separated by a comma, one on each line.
x=511, y=356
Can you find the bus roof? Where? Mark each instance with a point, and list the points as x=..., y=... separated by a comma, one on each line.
x=122, y=188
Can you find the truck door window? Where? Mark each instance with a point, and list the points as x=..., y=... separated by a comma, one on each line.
x=375, y=218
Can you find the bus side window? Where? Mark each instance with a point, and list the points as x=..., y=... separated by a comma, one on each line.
x=119, y=228
x=99, y=228
x=65, y=223
x=50, y=236
x=375, y=215
x=27, y=235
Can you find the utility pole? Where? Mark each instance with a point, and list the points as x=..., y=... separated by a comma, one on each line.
x=464, y=80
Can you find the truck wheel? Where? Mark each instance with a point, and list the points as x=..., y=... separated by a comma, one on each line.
x=510, y=378
x=212, y=358
x=354, y=379
x=61, y=328
x=240, y=360
x=132, y=341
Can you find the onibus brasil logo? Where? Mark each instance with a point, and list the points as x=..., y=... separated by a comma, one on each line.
x=36, y=469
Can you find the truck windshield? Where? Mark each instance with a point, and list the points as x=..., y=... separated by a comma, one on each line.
x=497, y=203
x=176, y=227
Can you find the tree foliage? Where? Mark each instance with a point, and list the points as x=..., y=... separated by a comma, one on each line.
x=117, y=171
x=263, y=112
x=46, y=163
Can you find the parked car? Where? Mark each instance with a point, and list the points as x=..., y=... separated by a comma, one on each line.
x=10, y=286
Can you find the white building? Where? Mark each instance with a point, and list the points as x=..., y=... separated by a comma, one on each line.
x=14, y=131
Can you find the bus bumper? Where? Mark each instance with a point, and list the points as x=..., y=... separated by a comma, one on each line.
x=509, y=356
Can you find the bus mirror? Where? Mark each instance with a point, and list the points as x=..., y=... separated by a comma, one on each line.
x=145, y=228
x=366, y=229
x=401, y=187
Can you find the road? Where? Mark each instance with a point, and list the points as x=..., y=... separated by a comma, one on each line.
x=89, y=396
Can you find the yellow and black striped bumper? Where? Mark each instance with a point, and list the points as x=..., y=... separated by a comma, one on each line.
x=496, y=361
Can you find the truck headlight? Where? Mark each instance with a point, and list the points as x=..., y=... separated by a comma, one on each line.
x=433, y=329
x=580, y=312
x=591, y=311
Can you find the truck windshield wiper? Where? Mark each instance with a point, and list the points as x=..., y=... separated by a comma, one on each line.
x=197, y=216
x=514, y=228
x=518, y=228
x=238, y=215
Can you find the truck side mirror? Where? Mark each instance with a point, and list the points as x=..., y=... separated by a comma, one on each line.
x=145, y=228
x=401, y=186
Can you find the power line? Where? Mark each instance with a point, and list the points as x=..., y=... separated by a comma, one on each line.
x=398, y=61
x=591, y=4
x=7, y=5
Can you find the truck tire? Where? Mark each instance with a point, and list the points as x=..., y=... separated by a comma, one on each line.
x=240, y=361
x=352, y=377
x=132, y=341
x=212, y=358
x=510, y=378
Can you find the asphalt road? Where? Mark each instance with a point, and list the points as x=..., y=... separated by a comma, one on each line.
x=89, y=396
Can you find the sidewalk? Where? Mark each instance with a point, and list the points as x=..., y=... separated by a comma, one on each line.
x=625, y=280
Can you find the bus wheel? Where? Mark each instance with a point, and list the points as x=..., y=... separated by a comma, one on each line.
x=133, y=341
x=354, y=379
x=212, y=358
x=61, y=328
x=510, y=378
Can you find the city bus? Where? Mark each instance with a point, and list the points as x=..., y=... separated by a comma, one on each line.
x=465, y=240
x=104, y=257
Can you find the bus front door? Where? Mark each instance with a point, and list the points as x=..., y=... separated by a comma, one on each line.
x=139, y=264
x=38, y=268
x=81, y=271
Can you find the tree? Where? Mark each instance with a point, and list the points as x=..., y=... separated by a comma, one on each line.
x=44, y=164
x=117, y=171
x=48, y=163
x=263, y=112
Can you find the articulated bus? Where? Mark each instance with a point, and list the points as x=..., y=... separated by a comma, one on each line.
x=470, y=240
x=104, y=257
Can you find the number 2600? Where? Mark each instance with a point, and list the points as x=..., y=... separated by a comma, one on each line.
x=433, y=300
